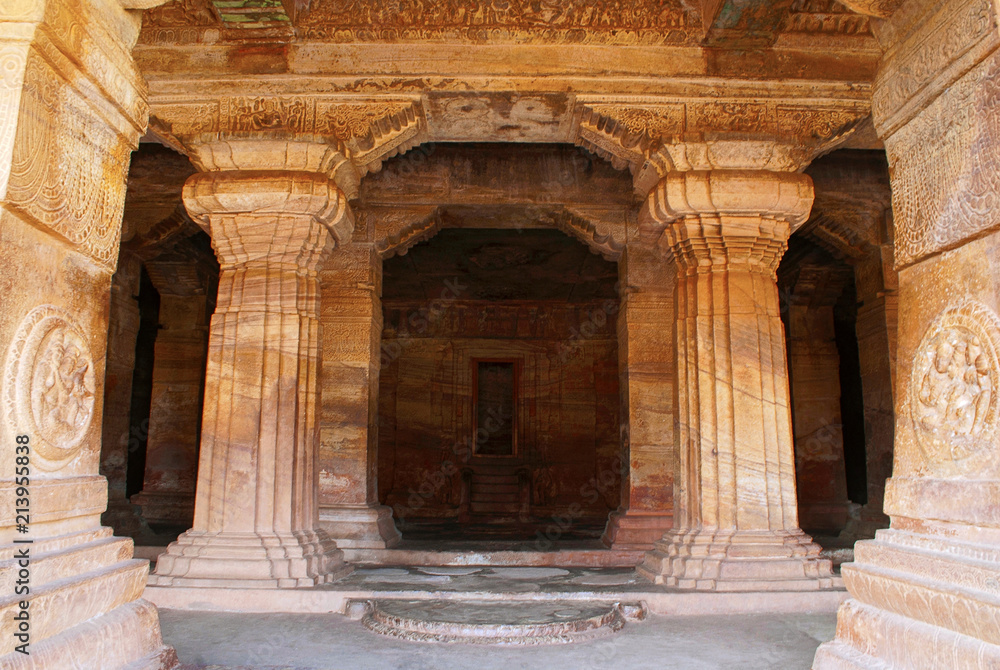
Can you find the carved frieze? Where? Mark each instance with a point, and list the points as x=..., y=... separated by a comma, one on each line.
x=646, y=22
x=953, y=391
x=49, y=385
x=68, y=170
x=919, y=68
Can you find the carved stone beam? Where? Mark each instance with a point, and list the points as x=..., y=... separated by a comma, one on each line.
x=344, y=138
x=652, y=138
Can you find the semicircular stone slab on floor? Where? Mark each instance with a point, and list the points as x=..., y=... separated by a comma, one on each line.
x=497, y=623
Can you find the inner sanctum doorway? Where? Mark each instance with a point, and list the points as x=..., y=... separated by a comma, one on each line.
x=498, y=404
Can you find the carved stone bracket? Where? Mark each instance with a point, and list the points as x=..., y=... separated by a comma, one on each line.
x=358, y=135
x=654, y=138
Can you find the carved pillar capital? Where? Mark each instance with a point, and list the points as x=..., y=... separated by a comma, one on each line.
x=236, y=207
x=722, y=217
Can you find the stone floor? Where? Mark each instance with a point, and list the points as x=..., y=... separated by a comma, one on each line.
x=223, y=640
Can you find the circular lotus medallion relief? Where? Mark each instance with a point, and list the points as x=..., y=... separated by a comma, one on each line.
x=953, y=391
x=49, y=385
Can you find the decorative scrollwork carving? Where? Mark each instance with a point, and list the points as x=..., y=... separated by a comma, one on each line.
x=953, y=391
x=49, y=385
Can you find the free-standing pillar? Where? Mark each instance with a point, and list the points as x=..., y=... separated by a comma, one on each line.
x=876, y=329
x=186, y=286
x=352, y=337
x=117, y=439
x=736, y=524
x=256, y=508
x=811, y=287
x=72, y=108
x=924, y=592
x=646, y=371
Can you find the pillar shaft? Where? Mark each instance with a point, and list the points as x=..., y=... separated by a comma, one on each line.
x=352, y=337
x=256, y=507
x=876, y=328
x=72, y=108
x=646, y=373
x=736, y=526
x=117, y=440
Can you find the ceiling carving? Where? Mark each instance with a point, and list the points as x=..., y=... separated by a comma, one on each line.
x=632, y=23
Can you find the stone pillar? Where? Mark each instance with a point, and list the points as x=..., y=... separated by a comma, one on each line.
x=256, y=513
x=812, y=285
x=646, y=372
x=186, y=288
x=72, y=108
x=925, y=592
x=877, y=281
x=736, y=524
x=116, y=437
x=352, y=336
x=817, y=425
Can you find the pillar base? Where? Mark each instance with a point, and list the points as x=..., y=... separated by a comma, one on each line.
x=127, y=638
x=918, y=599
x=85, y=604
x=630, y=530
x=167, y=508
x=360, y=526
x=738, y=561
x=869, y=638
x=250, y=560
x=863, y=522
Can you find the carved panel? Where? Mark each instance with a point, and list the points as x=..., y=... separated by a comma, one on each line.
x=68, y=168
x=953, y=391
x=49, y=385
x=920, y=65
x=367, y=131
x=945, y=167
x=645, y=136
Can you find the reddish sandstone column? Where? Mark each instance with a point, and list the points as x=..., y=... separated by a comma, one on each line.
x=72, y=108
x=183, y=281
x=814, y=363
x=736, y=526
x=123, y=328
x=256, y=505
x=646, y=370
x=925, y=593
x=878, y=304
x=352, y=336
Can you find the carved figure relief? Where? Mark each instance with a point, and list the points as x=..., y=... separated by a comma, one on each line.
x=49, y=385
x=953, y=390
